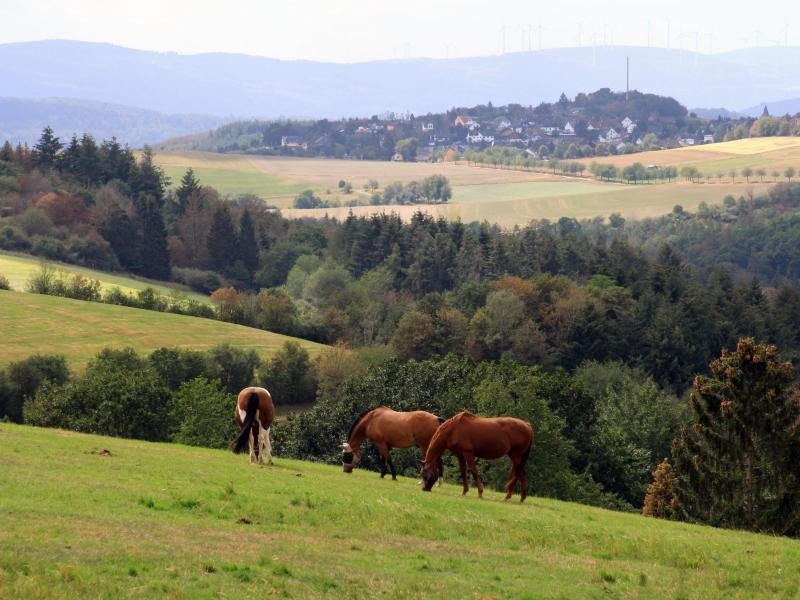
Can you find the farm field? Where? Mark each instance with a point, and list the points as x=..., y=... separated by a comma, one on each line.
x=502, y=196
x=96, y=517
x=33, y=323
x=769, y=153
x=19, y=268
x=518, y=203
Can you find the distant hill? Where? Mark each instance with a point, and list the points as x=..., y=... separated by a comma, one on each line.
x=776, y=109
x=713, y=113
x=249, y=86
x=22, y=120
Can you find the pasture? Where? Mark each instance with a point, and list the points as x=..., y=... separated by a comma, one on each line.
x=33, y=323
x=19, y=268
x=769, y=153
x=517, y=203
x=504, y=196
x=94, y=517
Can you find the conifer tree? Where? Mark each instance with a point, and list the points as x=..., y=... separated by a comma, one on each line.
x=248, y=247
x=189, y=185
x=45, y=152
x=222, y=242
x=7, y=152
x=154, y=260
x=738, y=464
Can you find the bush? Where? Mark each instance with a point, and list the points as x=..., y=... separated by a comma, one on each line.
x=5, y=284
x=25, y=377
x=115, y=398
x=202, y=414
x=289, y=376
x=234, y=368
x=204, y=282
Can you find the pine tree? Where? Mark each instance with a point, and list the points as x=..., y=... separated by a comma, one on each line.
x=154, y=260
x=148, y=177
x=738, y=463
x=222, y=243
x=248, y=247
x=189, y=185
x=7, y=152
x=45, y=152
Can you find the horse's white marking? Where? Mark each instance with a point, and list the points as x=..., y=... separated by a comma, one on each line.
x=242, y=414
x=346, y=447
x=267, y=446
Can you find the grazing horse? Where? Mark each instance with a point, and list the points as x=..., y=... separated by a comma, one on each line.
x=254, y=414
x=388, y=429
x=468, y=436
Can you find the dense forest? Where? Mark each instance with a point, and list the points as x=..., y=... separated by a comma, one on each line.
x=581, y=326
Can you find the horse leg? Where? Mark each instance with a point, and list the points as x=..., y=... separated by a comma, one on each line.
x=251, y=447
x=257, y=437
x=441, y=472
x=512, y=481
x=463, y=466
x=268, y=446
x=523, y=481
x=384, y=452
x=391, y=464
x=474, y=470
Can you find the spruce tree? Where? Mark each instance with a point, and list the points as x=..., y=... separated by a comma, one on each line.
x=248, y=247
x=222, y=241
x=154, y=260
x=738, y=464
x=189, y=185
x=7, y=152
x=45, y=152
x=148, y=177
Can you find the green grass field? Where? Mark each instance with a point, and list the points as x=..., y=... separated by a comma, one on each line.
x=150, y=520
x=19, y=268
x=33, y=323
x=503, y=196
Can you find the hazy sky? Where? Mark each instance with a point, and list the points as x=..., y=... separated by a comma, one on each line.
x=357, y=30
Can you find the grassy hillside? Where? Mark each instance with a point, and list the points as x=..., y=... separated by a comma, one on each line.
x=769, y=153
x=502, y=196
x=86, y=516
x=19, y=268
x=33, y=323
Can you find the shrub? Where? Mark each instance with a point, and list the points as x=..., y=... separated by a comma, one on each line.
x=234, y=368
x=5, y=284
x=289, y=375
x=202, y=414
x=25, y=377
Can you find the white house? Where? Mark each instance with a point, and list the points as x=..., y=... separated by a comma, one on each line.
x=708, y=139
x=464, y=121
x=568, y=129
x=293, y=141
x=479, y=138
x=427, y=127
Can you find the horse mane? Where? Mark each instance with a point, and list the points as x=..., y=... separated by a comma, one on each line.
x=358, y=419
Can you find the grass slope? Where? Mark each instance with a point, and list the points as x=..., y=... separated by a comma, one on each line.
x=157, y=520
x=503, y=196
x=19, y=268
x=32, y=323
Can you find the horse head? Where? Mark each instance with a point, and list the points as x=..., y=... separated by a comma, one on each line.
x=428, y=473
x=349, y=459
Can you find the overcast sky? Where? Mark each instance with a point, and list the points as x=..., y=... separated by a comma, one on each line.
x=358, y=30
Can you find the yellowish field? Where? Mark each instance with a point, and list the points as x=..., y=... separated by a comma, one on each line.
x=19, y=269
x=769, y=153
x=517, y=204
x=32, y=323
x=504, y=196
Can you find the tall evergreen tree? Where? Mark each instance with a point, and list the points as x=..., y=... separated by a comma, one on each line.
x=248, y=247
x=223, y=247
x=154, y=260
x=149, y=178
x=738, y=464
x=45, y=152
x=189, y=185
x=7, y=152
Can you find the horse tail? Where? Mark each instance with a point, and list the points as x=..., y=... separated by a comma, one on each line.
x=527, y=453
x=240, y=444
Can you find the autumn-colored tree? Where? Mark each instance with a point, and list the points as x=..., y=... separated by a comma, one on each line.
x=737, y=464
x=660, y=500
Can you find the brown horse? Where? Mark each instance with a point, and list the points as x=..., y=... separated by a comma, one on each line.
x=254, y=414
x=388, y=429
x=468, y=436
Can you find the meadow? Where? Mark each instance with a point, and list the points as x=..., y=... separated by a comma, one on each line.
x=504, y=196
x=18, y=269
x=769, y=153
x=34, y=323
x=84, y=516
